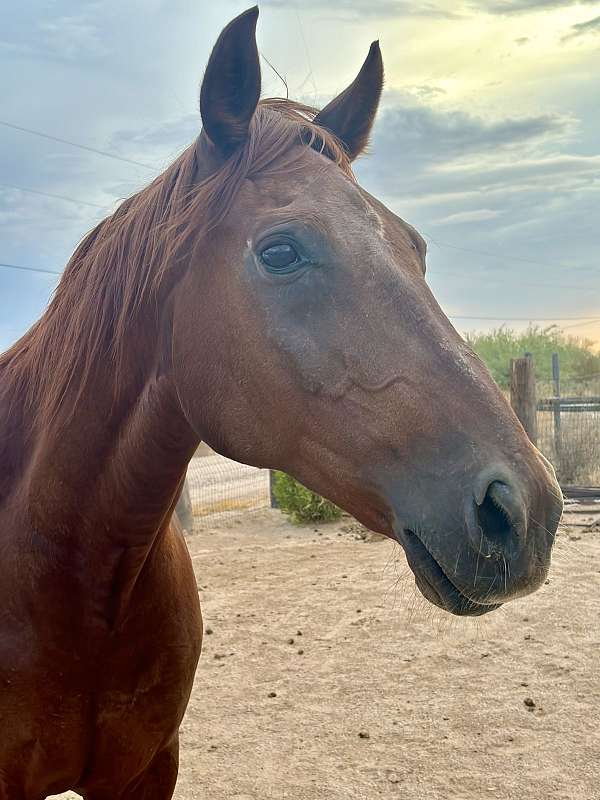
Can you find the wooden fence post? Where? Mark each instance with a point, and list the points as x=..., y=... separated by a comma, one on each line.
x=522, y=394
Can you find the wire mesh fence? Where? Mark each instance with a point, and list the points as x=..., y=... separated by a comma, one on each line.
x=569, y=430
x=220, y=487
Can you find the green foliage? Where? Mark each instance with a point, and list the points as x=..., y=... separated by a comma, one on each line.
x=578, y=360
x=300, y=504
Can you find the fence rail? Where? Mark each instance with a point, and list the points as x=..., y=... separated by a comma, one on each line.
x=566, y=427
x=569, y=404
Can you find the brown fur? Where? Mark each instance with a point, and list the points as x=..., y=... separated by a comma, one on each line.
x=170, y=326
x=124, y=263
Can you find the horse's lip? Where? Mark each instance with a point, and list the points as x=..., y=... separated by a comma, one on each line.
x=433, y=582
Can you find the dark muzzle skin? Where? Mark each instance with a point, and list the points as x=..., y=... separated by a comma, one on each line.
x=484, y=539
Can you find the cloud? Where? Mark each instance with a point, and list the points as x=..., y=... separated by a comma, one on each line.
x=583, y=28
x=69, y=37
x=476, y=215
x=395, y=9
x=450, y=167
x=359, y=9
x=524, y=6
x=416, y=131
x=425, y=91
x=569, y=166
x=505, y=186
x=157, y=141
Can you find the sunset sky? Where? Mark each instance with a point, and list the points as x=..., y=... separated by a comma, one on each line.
x=488, y=139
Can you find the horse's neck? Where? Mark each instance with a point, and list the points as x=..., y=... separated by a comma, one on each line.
x=108, y=472
x=93, y=488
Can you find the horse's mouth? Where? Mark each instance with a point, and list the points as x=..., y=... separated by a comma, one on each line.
x=433, y=582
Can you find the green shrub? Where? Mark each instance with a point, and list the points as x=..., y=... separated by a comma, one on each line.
x=300, y=504
x=579, y=360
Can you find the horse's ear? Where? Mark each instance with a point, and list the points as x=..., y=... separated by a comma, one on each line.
x=231, y=85
x=351, y=114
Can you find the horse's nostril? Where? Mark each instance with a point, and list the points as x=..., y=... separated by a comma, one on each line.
x=500, y=517
x=493, y=519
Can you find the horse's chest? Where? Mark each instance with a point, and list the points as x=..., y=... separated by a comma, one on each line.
x=142, y=697
x=44, y=712
x=78, y=696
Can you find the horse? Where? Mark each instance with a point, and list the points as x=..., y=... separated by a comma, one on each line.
x=254, y=297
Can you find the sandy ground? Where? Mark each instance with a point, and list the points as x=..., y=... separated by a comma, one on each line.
x=325, y=675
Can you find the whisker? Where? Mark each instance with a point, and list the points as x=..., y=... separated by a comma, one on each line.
x=554, y=536
x=478, y=556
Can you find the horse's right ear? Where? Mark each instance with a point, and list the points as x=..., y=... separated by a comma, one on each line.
x=231, y=85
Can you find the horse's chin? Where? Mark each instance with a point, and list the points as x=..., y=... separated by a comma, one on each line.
x=434, y=584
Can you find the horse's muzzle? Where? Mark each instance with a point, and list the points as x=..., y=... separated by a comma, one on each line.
x=497, y=548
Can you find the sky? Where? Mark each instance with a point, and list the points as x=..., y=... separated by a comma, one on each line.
x=487, y=141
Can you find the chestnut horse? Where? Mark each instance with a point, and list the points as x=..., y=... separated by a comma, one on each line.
x=256, y=297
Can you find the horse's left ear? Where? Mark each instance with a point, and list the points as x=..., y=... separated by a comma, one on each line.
x=231, y=85
x=351, y=114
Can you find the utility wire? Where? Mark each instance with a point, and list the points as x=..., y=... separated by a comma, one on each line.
x=502, y=277
x=311, y=73
x=581, y=324
x=523, y=319
x=30, y=269
x=493, y=255
x=107, y=154
x=54, y=196
x=76, y=144
x=585, y=320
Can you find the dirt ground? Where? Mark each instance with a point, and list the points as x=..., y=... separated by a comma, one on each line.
x=325, y=675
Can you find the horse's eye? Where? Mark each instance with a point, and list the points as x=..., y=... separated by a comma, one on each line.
x=280, y=258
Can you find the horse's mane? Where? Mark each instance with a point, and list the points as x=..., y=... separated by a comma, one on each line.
x=123, y=262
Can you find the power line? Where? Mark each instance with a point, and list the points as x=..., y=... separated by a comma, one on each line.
x=581, y=324
x=107, y=154
x=437, y=275
x=53, y=196
x=30, y=269
x=580, y=320
x=498, y=278
x=523, y=319
x=311, y=73
x=104, y=153
x=493, y=255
